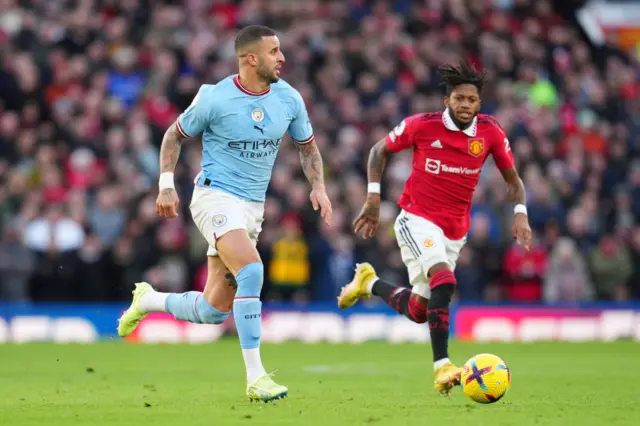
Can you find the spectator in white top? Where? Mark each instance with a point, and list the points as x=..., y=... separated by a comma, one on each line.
x=54, y=231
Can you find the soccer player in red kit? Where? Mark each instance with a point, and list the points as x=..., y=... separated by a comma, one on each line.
x=449, y=150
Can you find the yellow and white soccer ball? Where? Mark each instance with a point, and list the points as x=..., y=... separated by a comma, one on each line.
x=485, y=378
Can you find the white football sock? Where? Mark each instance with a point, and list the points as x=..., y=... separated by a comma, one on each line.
x=253, y=363
x=153, y=301
x=371, y=283
x=439, y=363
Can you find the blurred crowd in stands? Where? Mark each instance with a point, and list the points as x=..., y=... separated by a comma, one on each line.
x=87, y=89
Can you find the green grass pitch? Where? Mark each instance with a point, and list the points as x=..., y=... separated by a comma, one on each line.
x=369, y=384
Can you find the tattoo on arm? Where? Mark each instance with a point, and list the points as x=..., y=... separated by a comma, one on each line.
x=231, y=281
x=170, y=149
x=378, y=157
x=516, y=192
x=311, y=162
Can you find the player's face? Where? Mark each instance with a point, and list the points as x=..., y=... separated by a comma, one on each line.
x=464, y=103
x=270, y=59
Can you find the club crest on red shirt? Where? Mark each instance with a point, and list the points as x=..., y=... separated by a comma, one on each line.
x=476, y=146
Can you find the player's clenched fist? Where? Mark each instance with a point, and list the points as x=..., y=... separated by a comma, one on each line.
x=521, y=230
x=167, y=203
x=367, y=220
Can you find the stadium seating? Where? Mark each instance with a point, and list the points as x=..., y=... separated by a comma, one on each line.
x=86, y=94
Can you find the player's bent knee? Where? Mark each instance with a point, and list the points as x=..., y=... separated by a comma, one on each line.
x=236, y=250
x=442, y=277
x=442, y=284
x=220, y=301
x=418, y=308
x=207, y=314
x=249, y=280
x=438, y=267
x=421, y=290
x=420, y=299
x=221, y=285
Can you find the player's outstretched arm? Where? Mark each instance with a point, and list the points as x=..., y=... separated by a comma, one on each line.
x=367, y=220
x=517, y=194
x=312, y=167
x=167, y=202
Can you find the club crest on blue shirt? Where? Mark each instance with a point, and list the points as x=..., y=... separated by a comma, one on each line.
x=257, y=115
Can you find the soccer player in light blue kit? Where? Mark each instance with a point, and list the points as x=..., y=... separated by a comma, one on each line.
x=242, y=120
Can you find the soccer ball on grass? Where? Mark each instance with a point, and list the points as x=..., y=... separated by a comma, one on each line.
x=485, y=378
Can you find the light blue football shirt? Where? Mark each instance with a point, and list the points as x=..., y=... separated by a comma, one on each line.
x=242, y=131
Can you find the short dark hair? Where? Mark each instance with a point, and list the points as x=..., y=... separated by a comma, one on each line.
x=464, y=73
x=251, y=34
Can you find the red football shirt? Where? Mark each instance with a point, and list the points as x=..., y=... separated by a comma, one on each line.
x=446, y=166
